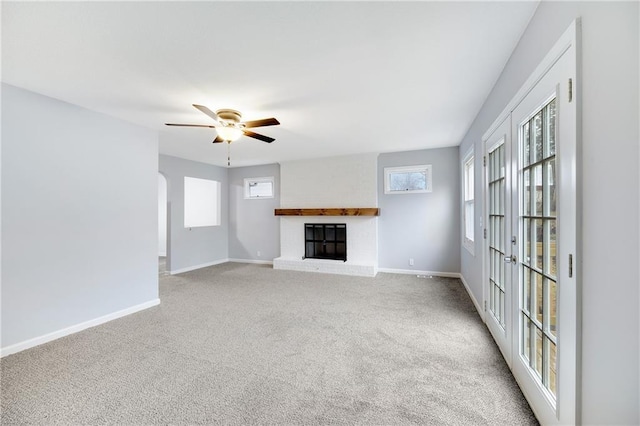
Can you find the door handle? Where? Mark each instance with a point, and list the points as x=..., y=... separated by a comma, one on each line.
x=510, y=259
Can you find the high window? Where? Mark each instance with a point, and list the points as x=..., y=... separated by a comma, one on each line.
x=261, y=187
x=407, y=180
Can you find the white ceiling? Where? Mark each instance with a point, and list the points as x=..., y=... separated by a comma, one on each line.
x=342, y=78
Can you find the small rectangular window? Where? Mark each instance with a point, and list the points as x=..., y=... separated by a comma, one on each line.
x=407, y=180
x=258, y=187
x=469, y=207
x=201, y=202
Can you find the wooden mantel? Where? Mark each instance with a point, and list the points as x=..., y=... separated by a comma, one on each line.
x=367, y=211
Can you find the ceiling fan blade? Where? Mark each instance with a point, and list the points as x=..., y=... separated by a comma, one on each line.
x=207, y=111
x=218, y=139
x=263, y=138
x=261, y=123
x=190, y=125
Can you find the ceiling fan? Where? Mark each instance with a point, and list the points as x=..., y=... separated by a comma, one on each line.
x=229, y=126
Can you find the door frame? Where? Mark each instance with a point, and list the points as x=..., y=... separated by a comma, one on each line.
x=569, y=44
x=502, y=133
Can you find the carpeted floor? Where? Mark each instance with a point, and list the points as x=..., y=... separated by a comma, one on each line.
x=162, y=265
x=246, y=344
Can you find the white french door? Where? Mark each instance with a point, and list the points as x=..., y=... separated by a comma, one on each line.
x=498, y=245
x=530, y=247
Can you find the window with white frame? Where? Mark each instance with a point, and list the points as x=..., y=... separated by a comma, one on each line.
x=261, y=187
x=201, y=202
x=407, y=179
x=468, y=208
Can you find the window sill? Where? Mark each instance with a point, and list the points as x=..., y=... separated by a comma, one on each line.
x=266, y=197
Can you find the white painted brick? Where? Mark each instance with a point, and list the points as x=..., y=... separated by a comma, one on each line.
x=325, y=266
x=361, y=236
x=348, y=182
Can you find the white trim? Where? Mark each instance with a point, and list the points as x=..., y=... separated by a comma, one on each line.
x=247, y=182
x=418, y=272
x=469, y=157
x=36, y=341
x=568, y=356
x=219, y=262
x=502, y=336
x=565, y=42
x=202, y=201
x=468, y=244
x=256, y=261
x=564, y=408
x=194, y=267
x=473, y=298
x=422, y=168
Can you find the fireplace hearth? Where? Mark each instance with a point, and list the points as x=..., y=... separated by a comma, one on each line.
x=325, y=241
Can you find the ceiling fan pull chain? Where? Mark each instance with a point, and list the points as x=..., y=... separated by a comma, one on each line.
x=228, y=153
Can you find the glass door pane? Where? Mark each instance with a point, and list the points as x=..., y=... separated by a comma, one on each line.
x=497, y=232
x=538, y=280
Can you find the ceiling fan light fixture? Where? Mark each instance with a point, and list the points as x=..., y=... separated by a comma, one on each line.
x=229, y=125
x=229, y=133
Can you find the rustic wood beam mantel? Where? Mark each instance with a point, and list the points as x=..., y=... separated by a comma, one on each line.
x=368, y=211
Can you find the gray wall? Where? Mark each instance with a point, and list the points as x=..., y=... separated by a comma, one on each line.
x=253, y=226
x=421, y=226
x=609, y=205
x=79, y=215
x=198, y=246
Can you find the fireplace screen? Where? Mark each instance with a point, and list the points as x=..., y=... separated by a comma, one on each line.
x=325, y=241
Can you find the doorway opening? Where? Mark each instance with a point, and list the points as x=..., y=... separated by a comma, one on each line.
x=163, y=225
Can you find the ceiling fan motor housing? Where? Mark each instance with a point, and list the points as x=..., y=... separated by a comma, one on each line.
x=229, y=116
x=229, y=125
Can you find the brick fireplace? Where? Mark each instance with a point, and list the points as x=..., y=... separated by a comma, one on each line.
x=328, y=191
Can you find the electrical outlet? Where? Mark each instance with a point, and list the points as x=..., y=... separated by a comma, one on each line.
x=411, y=261
x=259, y=254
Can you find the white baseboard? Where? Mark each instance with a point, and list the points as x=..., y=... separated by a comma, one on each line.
x=18, y=347
x=194, y=267
x=418, y=272
x=473, y=298
x=256, y=261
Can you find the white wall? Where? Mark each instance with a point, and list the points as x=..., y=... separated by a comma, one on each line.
x=196, y=247
x=346, y=181
x=609, y=206
x=253, y=226
x=162, y=215
x=79, y=209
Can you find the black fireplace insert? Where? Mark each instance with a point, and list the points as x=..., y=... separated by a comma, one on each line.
x=325, y=241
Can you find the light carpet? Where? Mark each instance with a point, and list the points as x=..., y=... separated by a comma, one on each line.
x=246, y=344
